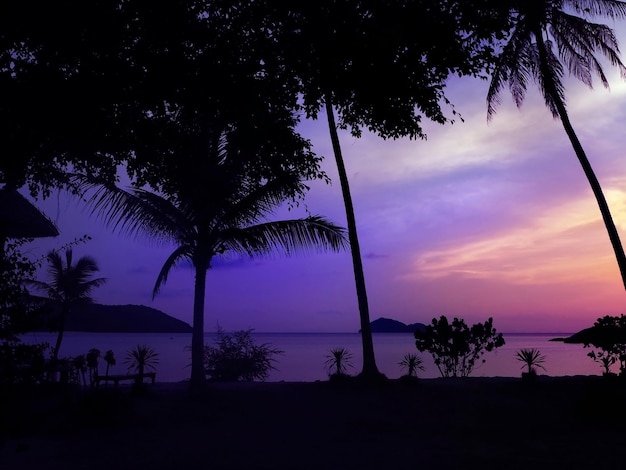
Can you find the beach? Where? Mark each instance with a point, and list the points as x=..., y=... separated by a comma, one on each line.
x=557, y=422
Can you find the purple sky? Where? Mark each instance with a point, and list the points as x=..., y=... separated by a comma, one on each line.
x=479, y=220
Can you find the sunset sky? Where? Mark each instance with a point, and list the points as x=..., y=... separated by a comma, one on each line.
x=480, y=220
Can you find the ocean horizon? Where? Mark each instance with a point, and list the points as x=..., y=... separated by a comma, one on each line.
x=304, y=354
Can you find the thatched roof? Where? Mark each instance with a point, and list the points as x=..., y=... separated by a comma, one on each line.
x=20, y=219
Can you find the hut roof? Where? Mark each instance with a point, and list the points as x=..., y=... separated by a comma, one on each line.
x=19, y=218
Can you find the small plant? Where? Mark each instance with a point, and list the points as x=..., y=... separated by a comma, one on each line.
x=109, y=358
x=532, y=358
x=142, y=358
x=237, y=358
x=338, y=360
x=411, y=362
x=91, y=358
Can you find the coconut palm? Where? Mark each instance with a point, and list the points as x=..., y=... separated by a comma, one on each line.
x=549, y=37
x=370, y=370
x=70, y=284
x=219, y=206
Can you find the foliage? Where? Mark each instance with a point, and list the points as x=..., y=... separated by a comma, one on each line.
x=216, y=204
x=338, y=361
x=22, y=363
x=141, y=359
x=412, y=363
x=548, y=39
x=605, y=358
x=455, y=347
x=532, y=358
x=237, y=358
x=16, y=312
x=70, y=284
x=609, y=335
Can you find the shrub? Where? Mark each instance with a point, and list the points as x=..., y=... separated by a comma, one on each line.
x=237, y=358
x=609, y=335
x=455, y=347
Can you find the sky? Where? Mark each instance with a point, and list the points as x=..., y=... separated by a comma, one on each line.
x=480, y=220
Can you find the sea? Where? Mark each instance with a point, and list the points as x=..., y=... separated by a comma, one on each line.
x=304, y=354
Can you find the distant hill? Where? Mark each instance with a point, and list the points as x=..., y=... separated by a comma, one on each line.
x=387, y=325
x=100, y=318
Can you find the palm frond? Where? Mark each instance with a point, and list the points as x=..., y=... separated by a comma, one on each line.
x=312, y=233
x=134, y=212
x=592, y=8
x=184, y=251
x=49, y=291
x=258, y=202
x=512, y=69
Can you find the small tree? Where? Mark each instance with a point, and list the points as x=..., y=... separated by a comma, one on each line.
x=338, y=360
x=455, y=347
x=237, y=358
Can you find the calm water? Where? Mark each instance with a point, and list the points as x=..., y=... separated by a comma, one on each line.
x=305, y=353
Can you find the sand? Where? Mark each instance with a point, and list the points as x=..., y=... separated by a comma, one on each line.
x=503, y=423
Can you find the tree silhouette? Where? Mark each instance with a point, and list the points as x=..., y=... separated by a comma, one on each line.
x=547, y=40
x=383, y=66
x=70, y=284
x=214, y=206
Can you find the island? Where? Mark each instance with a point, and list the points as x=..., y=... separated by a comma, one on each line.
x=99, y=318
x=388, y=325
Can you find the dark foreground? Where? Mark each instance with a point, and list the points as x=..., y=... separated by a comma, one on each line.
x=567, y=422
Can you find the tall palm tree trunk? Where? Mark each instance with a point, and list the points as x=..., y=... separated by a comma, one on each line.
x=597, y=192
x=369, y=361
x=584, y=162
x=197, y=336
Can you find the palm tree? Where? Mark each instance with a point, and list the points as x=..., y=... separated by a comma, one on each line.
x=370, y=370
x=70, y=285
x=546, y=39
x=219, y=206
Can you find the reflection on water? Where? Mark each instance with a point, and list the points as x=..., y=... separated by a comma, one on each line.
x=305, y=353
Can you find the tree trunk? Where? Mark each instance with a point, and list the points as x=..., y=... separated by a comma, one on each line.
x=198, y=376
x=584, y=162
x=597, y=192
x=370, y=371
x=57, y=346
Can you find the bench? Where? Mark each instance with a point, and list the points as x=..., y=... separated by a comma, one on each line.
x=116, y=379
